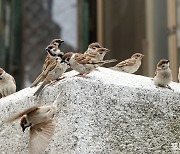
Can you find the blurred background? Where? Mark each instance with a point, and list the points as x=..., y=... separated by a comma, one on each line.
x=151, y=27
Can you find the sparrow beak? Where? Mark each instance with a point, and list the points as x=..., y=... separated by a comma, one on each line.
x=46, y=49
x=61, y=41
x=107, y=50
x=23, y=129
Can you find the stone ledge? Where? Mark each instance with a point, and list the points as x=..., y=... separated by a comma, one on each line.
x=107, y=112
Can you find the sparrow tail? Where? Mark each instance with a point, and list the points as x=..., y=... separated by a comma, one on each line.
x=40, y=88
x=38, y=79
x=110, y=61
x=106, y=62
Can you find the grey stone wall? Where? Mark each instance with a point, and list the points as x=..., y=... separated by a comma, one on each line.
x=107, y=112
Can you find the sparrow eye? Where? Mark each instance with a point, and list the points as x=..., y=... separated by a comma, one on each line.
x=60, y=55
x=163, y=66
x=97, y=46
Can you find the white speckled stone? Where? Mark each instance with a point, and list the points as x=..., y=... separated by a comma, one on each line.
x=108, y=112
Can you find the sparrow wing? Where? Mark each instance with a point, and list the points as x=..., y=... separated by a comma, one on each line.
x=157, y=69
x=91, y=54
x=40, y=136
x=127, y=62
x=20, y=114
x=14, y=80
x=50, y=67
x=47, y=62
x=82, y=59
x=95, y=61
x=155, y=73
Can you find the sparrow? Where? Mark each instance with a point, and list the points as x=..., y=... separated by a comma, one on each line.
x=163, y=75
x=130, y=65
x=7, y=84
x=48, y=60
x=92, y=51
x=41, y=121
x=54, y=70
x=179, y=75
x=97, y=53
x=82, y=63
x=53, y=52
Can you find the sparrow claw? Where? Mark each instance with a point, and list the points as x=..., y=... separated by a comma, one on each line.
x=81, y=75
x=167, y=86
x=170, y=88
x=60, y=78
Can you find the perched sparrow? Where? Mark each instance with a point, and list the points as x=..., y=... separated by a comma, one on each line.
x=83, y=63
x=130, y=65
x=41, y=121
x=53, y=52
x=53, y=72
x=7, y=84
x=93, y=51
x=163, y=75
x=93, y=46
x=49, y=59
x=98, y=53
x=179, y=75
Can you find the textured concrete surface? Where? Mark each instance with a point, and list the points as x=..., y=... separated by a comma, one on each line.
x=108, y=112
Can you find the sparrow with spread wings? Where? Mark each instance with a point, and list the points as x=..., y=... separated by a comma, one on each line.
x=42, y=123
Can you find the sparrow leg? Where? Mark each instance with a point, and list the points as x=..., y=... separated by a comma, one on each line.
x=167, y=86
x=60, y=78
x=170, y=88
x=97, y=70
x=81, y=75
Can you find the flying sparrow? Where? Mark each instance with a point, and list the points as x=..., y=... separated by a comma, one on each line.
x=7, y=84
x=130, y=65
x=83, y=63
x=163, y=75
x=53, y=72
x=41, y=121
x=49, y=59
